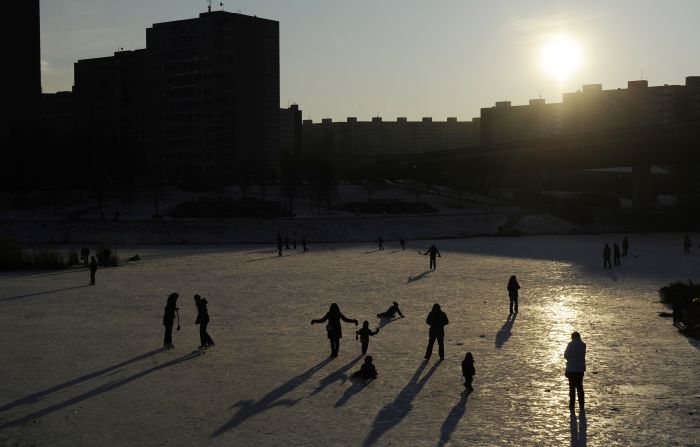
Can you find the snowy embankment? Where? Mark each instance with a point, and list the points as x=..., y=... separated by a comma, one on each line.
x=345, y=229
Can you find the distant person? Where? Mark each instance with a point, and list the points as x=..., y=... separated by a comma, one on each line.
x=606, y=257
x=616, y=254
x=203, y=321
x=335, y=332
x=437, y=320
x=625, y=246
x=286, y=242
x=433, y=252
x=402, y=242
x=686, y=245
x=513, y=288
x=279, y=244
x=380, y=243
x=171, y=310
x=364, y=334
x=303, y=243
x=677, y=308
x=294, y=241
x=93, y=270
x=85, y=255
x=391, y=311
x=367, y=370
x=468, y=371
x=575, y=355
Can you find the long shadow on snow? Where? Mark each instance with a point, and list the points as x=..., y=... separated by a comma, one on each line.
x=386, y=321
x=579, y=429
x=33, y=398
x=43, y=293
x=418, y=277
x=249, y=408
x=335, y=376
x=450, y=424
x=393, y=413
x=97, y=391
x=506, y=331
x=358, y=385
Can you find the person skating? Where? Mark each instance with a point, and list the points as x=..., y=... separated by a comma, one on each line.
x=364, y=334
x=686, y=245
x=616, y=254
x=380, y=243
x=513, y=293
x=333, y=328
x=303, y=243
x=93, y=270
x=402, y=242
x=367, y=371
x=203, y=321
x=391, y=311
x=606, y=256
x=575, y=355
x=433, y=252
x=468, y=370
x=437, y=320
x=625, y=246
x=171, y=310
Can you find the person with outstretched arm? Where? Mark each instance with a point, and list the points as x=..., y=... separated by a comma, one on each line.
x=335, y=332
x=433, y=252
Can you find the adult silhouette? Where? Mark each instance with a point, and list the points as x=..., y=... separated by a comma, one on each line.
x=575, y=355
x=433, y=252
x=616, y=254
x=93, y=270
x=333, y=328
x=625, y=246
x=169, y=319
x=606, y=257
x=202, y=320
x=513, y=288
x=437, y=320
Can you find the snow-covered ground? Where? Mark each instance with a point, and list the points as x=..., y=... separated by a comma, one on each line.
x=81, y=364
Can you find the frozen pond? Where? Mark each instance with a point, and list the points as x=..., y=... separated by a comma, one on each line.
x=81, y=365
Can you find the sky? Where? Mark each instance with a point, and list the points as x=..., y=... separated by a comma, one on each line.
x=409, y=58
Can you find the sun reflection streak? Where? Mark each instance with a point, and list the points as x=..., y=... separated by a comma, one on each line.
x=563, y=316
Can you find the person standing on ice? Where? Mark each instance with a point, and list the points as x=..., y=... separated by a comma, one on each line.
x=402, y=242
x=606, y=256
x=686, y=245
x=437, y=320
x=616, y=254
x=380, y=243
x=575, y=355
x=169, y=319
x=364, y=334
x=333, y=329
x=625, y=247
x=468, y=371
x=93, y=270
x=433, y=252
x=513, y=288
x=203, y=320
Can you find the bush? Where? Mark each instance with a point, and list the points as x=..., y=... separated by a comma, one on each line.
x=10, y=254
x=44, y=258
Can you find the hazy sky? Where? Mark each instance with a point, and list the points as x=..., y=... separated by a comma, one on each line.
x=411, y=58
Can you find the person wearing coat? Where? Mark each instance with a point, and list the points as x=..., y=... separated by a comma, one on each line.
x=169, y=319
x=513, y=288
x=203, y=321
x=575, y=355
x=437, y=320
x=333, y=329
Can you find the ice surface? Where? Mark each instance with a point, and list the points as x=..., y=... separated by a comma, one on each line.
x=81, y=365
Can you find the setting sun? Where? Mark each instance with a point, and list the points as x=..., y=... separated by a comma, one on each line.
x=561, y=56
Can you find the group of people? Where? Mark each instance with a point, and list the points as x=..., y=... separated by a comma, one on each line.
x=615, y=253
x=283, y=243
x=92, y=263
x=171, y=311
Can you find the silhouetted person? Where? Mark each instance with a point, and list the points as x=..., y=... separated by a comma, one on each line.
x=279, y=244
x=303, y=243
x=513, y=288
x=93, y=270
x=335, y=332
x=169, y=319
x=286, y=242
x=677, y=308
x=606, y=257
x=380, y=243
x=402, y=242
x=364, y=335
x=616, y=254
x=367, y=370
x=203, y=320
x=85, y=255
x=433, y=252
x=468, y=370
x=294, y=241
x=391, y=312
x=686, y=245
x=625, y=246
x=437, y=320
x=575, y=355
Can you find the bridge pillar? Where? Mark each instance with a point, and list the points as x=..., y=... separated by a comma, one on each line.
x=642, y=197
